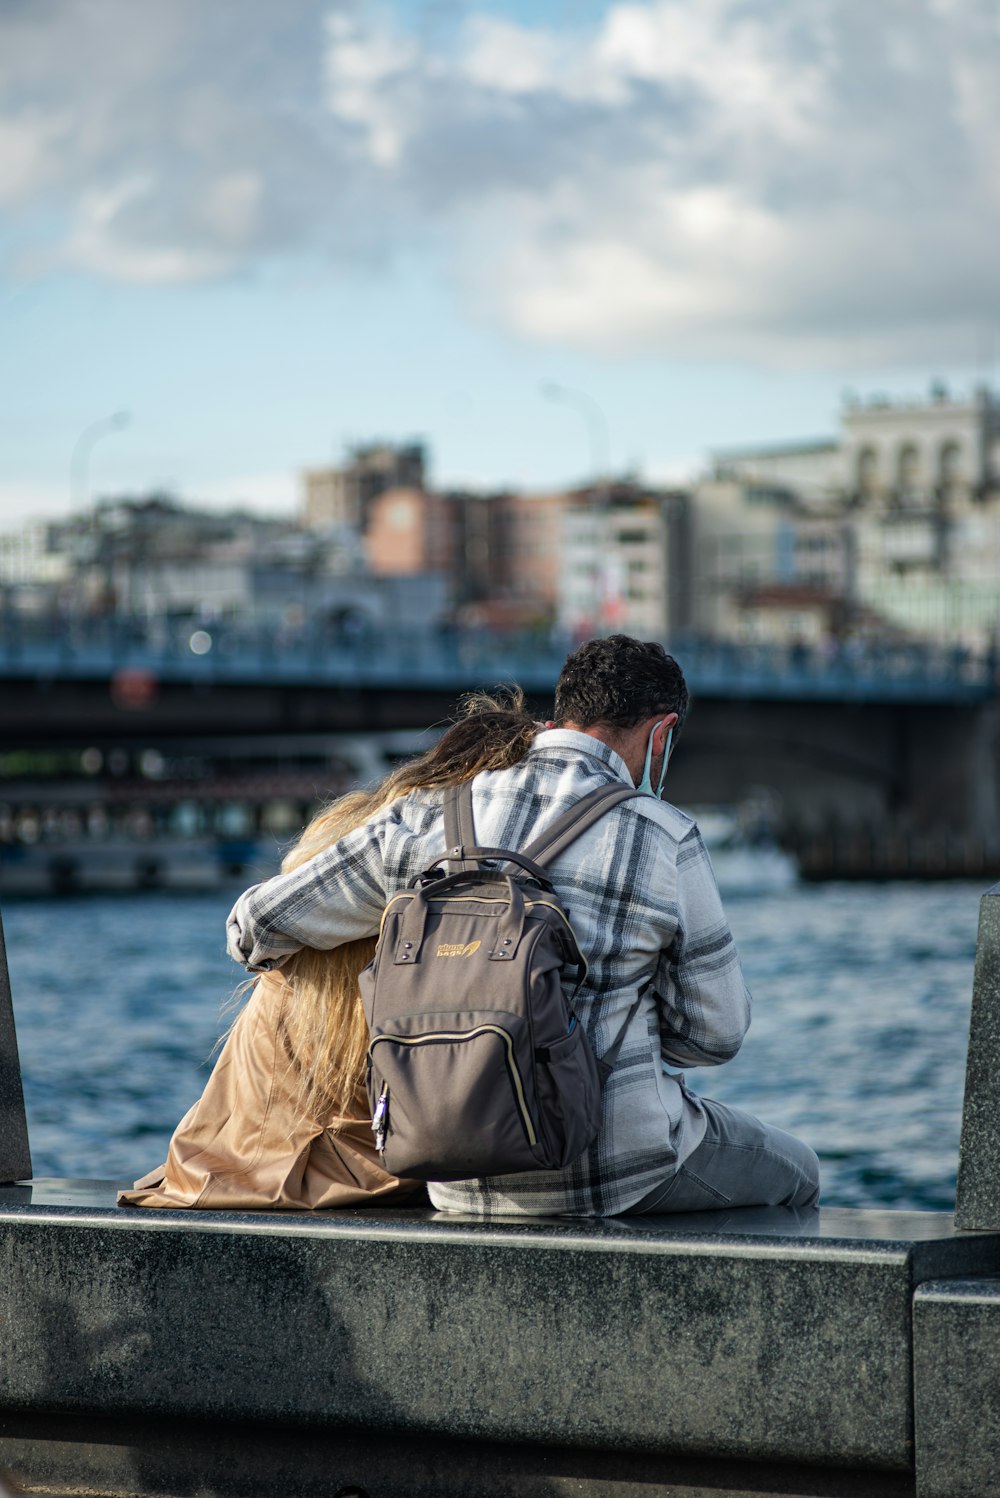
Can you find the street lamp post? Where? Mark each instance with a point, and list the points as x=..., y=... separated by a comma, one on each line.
x=79, y=467
x=594, y=419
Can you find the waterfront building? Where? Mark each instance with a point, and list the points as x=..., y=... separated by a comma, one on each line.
x=342, y=494
x=602, y=556
x=403, y=528
x=534, y=560
x=898, y=519
x=812, y=470
x=157, y=566
x=34, y=565
x=409, y=531
x=623, y=561
x=741, y=539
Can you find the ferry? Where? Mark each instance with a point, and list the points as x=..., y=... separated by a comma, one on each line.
x=208, y=816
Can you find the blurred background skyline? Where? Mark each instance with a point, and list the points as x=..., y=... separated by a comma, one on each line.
x=268, y=233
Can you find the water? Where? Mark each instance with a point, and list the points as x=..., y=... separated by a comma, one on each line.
x=858, y=1042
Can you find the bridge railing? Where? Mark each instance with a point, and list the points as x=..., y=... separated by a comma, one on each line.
x=461, y=658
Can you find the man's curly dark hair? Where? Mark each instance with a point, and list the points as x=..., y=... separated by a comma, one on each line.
x=620, y=681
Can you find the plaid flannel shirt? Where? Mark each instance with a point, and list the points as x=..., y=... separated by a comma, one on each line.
x=642, y=896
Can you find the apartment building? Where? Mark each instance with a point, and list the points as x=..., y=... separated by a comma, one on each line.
x=341, y=495
x=623, y=561
x=410, y=531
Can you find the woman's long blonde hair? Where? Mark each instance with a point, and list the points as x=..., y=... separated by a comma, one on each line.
x=328, y=1030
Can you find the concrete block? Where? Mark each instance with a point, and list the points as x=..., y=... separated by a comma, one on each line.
x=977, y=1197
x=753, y=1335
x=956, y=1384
x=15, y=1160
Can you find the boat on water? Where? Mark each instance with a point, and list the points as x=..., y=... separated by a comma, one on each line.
x=83, y=865
x=745, y=856
x=107, y=865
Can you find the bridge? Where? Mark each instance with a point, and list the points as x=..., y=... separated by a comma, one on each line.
x=439, y=661
x=891, y=740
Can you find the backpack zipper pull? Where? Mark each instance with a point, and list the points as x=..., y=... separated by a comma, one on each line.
x=380, y=1118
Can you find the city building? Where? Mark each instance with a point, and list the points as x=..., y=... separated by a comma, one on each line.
x=607, y=557
x=891, y=528
x=159, y=565
x=897, y=521
x=342, y=495
x=33, y=565
x=813, y=471
x=623, y=562
x=741, y=539
x=409, y=531
x=533, y=558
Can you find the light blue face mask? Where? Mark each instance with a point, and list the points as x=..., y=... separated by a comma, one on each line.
x=645, y=784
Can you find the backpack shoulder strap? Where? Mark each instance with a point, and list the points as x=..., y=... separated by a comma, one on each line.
x=606, y=1063
x=459, y=823
x=460, y=832
x=567, y=828
x=588, y=810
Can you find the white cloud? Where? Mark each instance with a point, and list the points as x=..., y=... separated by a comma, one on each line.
x=234, y=207
x=29, y=142
x=367, y=71
x=723, y=180
x=630, y=294
x=734, y=178
x=98, y=243
x=511, y=59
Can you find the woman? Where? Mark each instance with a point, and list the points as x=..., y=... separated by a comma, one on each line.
x=283, y=1120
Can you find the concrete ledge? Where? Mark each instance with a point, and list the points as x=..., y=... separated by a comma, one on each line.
x=956, y=1365
x=751, y=1335
x=148, y=1459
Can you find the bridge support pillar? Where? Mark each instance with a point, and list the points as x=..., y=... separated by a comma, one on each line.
x=949, y=770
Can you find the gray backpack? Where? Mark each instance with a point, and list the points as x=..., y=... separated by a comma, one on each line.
x=476, y=1064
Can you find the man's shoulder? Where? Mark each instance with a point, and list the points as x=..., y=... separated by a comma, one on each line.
x=559, y=772
x=676, y=823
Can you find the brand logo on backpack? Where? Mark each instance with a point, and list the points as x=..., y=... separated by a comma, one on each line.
x=457, y=949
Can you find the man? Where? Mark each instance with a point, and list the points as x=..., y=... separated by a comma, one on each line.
x=646, y=911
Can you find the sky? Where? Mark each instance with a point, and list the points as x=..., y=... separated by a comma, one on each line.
x=546, y=237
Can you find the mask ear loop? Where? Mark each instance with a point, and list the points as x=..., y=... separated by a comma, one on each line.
x=666, y=757
x=645, y=784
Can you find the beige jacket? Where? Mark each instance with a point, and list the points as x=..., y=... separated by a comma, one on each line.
x=247, y=1143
